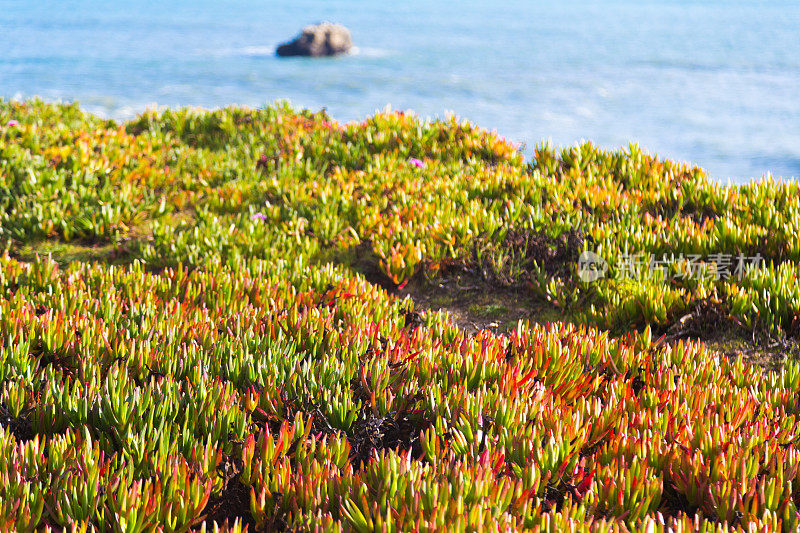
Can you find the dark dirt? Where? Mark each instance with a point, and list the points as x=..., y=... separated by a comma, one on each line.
x=703, y=321
x=555, y=256
x=370, y=432
x=669, y=208
x=232, y=503
x=674, y=503
x=473, y=304
x=20, y=426
x=765, y=350
x=399, y=430
x=373, y=433
x=478, y=296
x=710, y=322
x=412, y=319
x=365, y=261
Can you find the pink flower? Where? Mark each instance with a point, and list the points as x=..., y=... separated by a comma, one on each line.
x=12, y=124
x=259, y=216
x=416, y=162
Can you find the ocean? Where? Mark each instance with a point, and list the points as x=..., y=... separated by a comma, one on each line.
x=713, y=83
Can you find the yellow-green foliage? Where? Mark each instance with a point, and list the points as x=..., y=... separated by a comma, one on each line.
x=191, y=187
x=230, y=349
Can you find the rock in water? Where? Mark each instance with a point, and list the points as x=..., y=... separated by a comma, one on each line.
x=318, y=40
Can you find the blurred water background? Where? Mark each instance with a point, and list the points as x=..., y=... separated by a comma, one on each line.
x=715, y=83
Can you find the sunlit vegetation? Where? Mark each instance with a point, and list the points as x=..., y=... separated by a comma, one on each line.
x=198, y=330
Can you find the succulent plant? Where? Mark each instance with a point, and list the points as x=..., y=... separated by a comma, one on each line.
x=202, y=350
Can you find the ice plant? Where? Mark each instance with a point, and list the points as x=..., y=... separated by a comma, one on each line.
x=188, y=359
x=12, y=123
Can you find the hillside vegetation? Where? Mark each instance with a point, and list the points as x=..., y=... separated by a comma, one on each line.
x=205, y=323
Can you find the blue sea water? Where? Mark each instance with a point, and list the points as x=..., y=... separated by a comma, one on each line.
x=714, y=83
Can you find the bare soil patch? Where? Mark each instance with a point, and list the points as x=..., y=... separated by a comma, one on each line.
x=474, y=304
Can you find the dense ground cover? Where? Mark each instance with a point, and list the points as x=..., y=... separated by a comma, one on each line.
x=216, y=334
